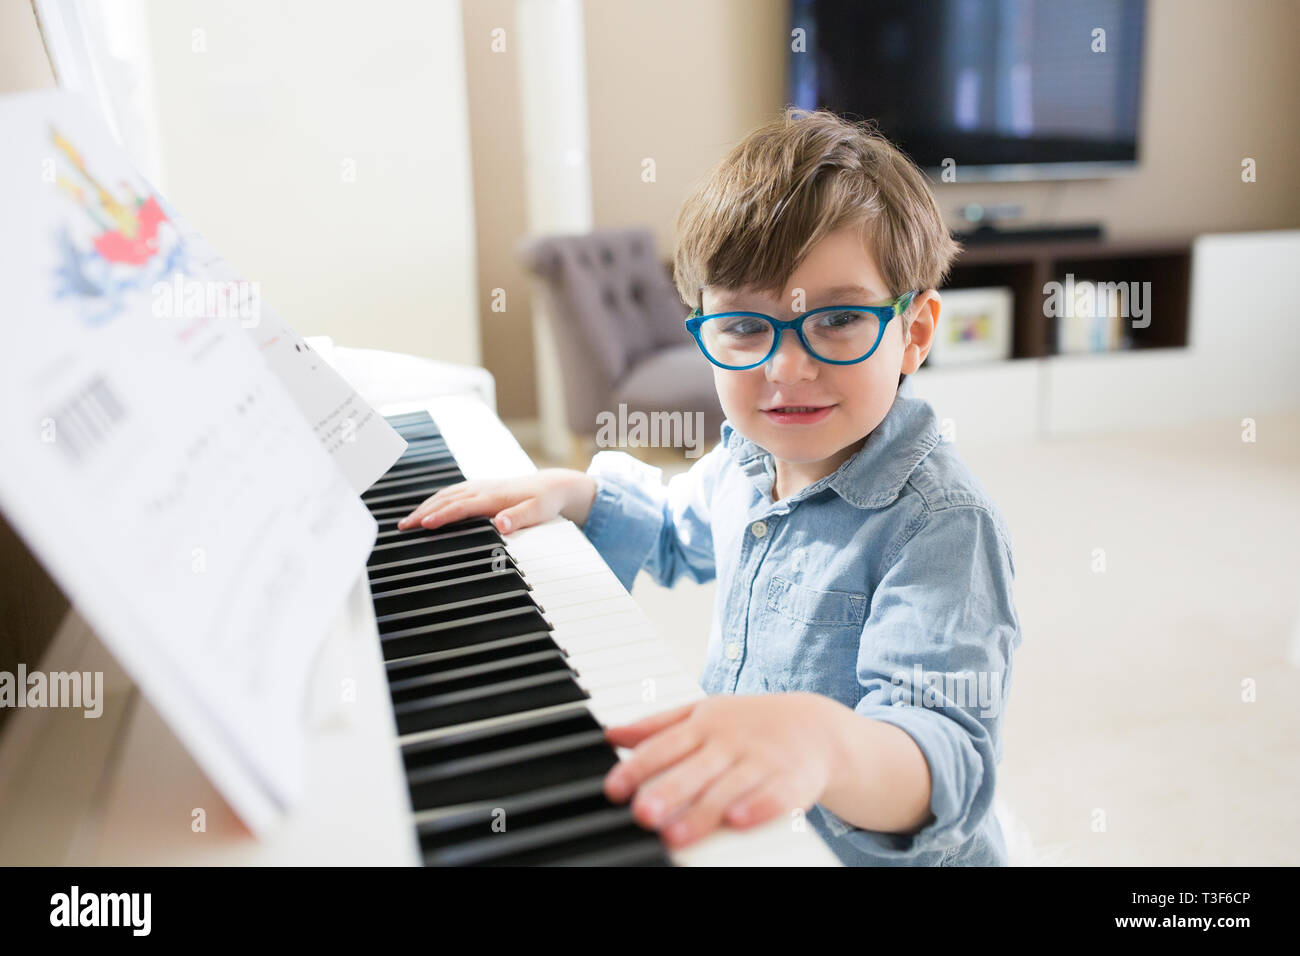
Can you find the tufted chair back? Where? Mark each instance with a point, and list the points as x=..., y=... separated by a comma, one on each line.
x=611, y=303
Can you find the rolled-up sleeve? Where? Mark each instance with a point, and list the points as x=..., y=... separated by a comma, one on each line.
x=935, y=660
x=636, y=521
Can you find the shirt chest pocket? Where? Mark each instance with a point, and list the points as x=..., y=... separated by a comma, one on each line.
x=811, y=606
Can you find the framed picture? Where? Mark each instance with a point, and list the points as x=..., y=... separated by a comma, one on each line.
x=974, y=326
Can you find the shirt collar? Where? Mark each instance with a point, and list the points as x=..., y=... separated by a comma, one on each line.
x=874, y=476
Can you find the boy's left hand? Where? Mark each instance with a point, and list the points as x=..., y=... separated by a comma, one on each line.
x=736, y=760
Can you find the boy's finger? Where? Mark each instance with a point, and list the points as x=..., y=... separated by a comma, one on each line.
x=705, y=815
x=521, y=515
x=629, y=735
x=432, y=503
x=673, y=791
x=763, y=803
x=658, y=753
x=467, y=507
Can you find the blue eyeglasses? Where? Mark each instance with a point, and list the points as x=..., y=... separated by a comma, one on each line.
x=836, y=334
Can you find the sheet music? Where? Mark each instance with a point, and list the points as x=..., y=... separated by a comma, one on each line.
x=157, y=467
x=364, y=445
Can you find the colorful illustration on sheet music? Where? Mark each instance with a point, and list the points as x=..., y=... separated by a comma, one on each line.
x=121, y=244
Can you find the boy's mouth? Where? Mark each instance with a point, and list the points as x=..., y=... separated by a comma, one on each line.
x=797, y=414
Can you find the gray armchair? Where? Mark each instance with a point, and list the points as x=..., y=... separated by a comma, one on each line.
x=617, y=325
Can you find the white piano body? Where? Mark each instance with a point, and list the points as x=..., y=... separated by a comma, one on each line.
x=121, y=789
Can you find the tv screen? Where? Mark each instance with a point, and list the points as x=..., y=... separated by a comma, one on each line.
x=1005, y=89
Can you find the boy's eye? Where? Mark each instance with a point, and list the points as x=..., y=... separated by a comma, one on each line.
x=833, y=321
x=742, y=325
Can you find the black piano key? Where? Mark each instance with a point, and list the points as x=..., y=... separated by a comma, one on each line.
x=419, y=430
x=636, y=849
x=407, y=498
x=432, y=441
x=427, y=544
x=441, y=462
x=416, y=431
x=454, y=590
x=442, y=673
x=450, y=529
x=458, y=568
x=470, y=674
x=424, y=459
x=418, y=457
x=418, y=474
x=440, y=465
x=409, y=418
x=388, y=531
x=453, y=708
x=418, y=447
x=408, y=477
x=477, y=630
x=461, y=746
x=383, y=574
x=407, y=604
x=475, y=820
x=476, y=834
x=532, y=642
x=445, y=567
x=548, y=763
x=508, y=846
x=444, y=616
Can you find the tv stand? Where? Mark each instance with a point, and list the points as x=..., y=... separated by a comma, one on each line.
x=1026, y=268
x=990, y=235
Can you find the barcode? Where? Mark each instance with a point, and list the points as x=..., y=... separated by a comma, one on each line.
x=87, y=419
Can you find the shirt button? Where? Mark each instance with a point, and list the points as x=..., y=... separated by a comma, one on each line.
x=759, y=528
x=732, y=651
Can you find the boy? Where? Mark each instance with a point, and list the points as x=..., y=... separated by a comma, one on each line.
x=862, y=636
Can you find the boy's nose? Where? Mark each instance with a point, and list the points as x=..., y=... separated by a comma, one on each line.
x=791, y=363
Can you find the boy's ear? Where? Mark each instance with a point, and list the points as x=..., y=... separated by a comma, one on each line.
x=921, y=319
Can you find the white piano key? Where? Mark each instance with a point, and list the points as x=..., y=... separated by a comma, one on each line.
x=598, y=681
x=613, y=713
x=605, y=657
x=614, y=637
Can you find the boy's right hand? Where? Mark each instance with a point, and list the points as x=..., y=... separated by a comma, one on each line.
x=513, y=503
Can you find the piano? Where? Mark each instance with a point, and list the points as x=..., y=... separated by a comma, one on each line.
x=455, y=711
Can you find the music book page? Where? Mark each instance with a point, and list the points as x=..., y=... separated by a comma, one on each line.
x=156, y=464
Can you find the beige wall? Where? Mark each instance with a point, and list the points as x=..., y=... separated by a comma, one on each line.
x=23, y=63
x=323, y=148
x=682, y=80
x=500, y=213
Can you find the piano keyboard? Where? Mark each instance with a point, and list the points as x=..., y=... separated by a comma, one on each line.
x=503, y=760
x=505, y=657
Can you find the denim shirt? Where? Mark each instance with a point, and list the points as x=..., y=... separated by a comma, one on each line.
x=886, y=585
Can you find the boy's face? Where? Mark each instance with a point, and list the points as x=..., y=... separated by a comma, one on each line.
x=856, y=398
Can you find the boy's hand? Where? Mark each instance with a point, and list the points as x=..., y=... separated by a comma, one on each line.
x=735, y=760
x=513, y=503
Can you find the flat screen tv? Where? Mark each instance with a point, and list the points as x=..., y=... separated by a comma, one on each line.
x=1005, y=89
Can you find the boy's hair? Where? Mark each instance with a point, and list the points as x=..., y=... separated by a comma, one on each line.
x=754, y=218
